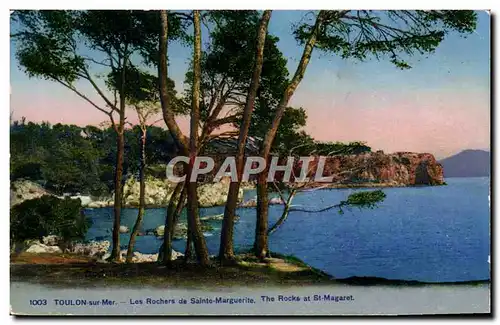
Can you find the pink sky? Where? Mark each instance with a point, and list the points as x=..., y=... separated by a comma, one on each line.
x=435, y=122
x=441, y=106
x=442, y=123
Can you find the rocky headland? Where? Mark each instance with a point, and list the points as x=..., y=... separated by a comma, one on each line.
x=371, y=169
x=98, y=250
x=374, y=169
x=377, y=169
x=158, y=193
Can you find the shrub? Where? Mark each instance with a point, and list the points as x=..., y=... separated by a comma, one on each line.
x=29, y=170
x=48, y=215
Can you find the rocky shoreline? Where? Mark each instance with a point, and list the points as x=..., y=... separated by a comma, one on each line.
x=98, y=250
x=378, y=169
x=158, y=193
x=367, y=170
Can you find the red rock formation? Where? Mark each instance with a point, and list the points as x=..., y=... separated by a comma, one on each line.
x=377, y=168
x=367, y=169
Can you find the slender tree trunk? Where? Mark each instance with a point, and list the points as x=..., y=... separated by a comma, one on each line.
x=188, y=252
x=120, y=149
x=176, y=201
x=178, y=210
x=284, y=215
x=226, y=252
x=194, y=223
x=261, y=245
x=177, y=213
x=117, y=207
x=142, y=199
x=168, y=115
x=261, y=248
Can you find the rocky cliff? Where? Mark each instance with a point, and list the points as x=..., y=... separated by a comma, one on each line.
x=23, y=190
x=363, y=170
x=379, y=169
x=158, y=192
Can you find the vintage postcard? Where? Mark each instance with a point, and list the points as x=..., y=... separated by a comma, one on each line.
x=250, y=162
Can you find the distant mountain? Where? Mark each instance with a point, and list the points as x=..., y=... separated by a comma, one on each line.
x=468, y=163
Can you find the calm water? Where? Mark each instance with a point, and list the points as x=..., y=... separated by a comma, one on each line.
x=434, y=234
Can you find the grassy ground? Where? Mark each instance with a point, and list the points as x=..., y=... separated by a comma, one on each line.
x=73, y=270
x=66, y=270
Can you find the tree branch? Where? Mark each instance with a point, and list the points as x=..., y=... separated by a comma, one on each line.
x=292, y=86
x=97, y=62
x=99, y=91
x=225, y=120
x=72, y=88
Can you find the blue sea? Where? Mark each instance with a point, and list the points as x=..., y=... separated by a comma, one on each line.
x=428, y=233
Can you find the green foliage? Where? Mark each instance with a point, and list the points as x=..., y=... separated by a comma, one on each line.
x=68, y=158
x=227, y=67
x=290, y=134
x=27, y=170
x=392, y=34
x=68, y=45
x=339, y=148
x=303, y=145
x=230, y=59
x=48, y=215
x=363, y=200
x=94, y=46
x=142, y=87
x=58, y=155
x=232, y=52
x=46, y=44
